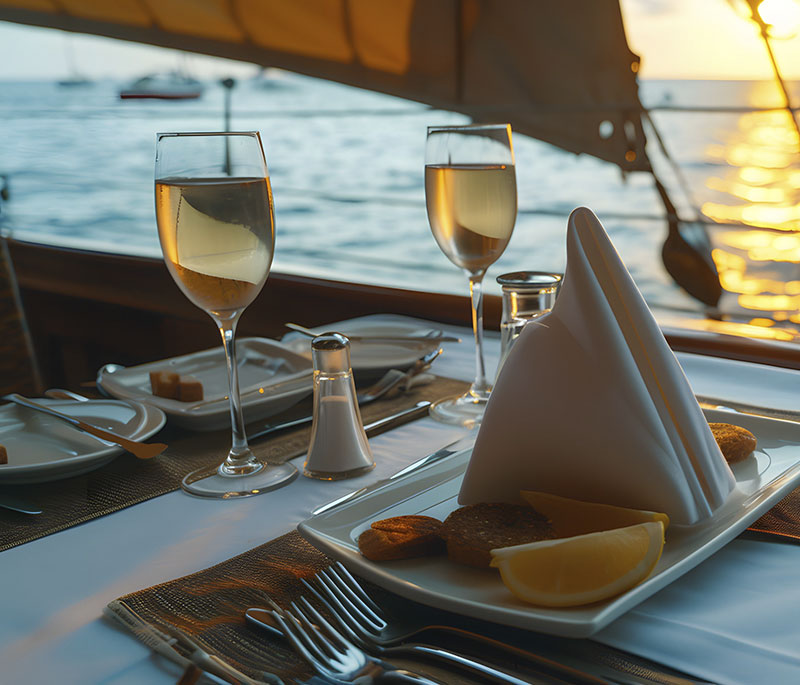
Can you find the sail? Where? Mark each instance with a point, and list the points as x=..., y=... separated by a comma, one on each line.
x=558, y=71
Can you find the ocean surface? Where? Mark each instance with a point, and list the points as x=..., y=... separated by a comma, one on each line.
x=346, y=167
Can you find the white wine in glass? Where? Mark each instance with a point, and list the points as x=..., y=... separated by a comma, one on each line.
x=471, y=195
x=217, y=231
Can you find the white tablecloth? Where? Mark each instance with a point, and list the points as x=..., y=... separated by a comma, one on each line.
x=733, y=619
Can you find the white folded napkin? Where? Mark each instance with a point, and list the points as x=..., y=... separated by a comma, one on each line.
x=592, y=404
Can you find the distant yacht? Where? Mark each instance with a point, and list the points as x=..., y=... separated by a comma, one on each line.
x=169, y=86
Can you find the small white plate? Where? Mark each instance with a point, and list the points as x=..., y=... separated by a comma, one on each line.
x=271, y=378
x=374, y=357
x=762, y=481
x=42, y=448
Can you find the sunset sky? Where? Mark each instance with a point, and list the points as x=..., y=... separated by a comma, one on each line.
x=675, y=38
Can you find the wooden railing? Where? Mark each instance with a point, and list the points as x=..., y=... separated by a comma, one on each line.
x=85, y=309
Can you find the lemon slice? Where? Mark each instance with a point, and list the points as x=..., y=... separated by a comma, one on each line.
x=571, y=517
x=583, y=569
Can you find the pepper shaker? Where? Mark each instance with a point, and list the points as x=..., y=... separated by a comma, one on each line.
x=339, y=447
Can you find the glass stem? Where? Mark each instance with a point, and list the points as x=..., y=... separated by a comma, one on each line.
x=240, y=460
x=480, y=387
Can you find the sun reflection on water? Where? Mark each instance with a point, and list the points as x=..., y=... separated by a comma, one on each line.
x=757, y=201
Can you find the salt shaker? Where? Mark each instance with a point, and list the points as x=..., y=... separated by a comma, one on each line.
x=527, y=295
x=339, y=447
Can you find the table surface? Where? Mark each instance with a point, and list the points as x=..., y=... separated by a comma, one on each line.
x=731, y=620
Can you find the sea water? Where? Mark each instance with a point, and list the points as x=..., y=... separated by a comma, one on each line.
x=346, y=168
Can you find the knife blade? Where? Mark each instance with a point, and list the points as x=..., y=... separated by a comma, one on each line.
x=142, y=450
x=16, y=504
x=464, y=442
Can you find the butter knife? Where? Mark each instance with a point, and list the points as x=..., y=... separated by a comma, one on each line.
x=463, y=443
x=16, y=504
x=751, y=409
x=142, y=450
x=439, y=336
x=419, y=410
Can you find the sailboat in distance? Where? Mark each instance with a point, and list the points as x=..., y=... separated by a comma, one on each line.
x=75, y=77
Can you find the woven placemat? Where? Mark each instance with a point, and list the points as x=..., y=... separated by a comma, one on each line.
x=127, y=480
x=782, y=520
x=209, y=606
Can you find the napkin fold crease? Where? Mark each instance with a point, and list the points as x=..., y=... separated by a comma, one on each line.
x=592, y=403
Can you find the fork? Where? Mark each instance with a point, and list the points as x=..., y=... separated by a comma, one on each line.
x=394, y=377
x=350, y=605
x=485, y=672
x=330, y=654
x=362, y=621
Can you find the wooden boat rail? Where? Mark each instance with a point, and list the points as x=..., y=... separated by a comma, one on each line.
x=85, y=309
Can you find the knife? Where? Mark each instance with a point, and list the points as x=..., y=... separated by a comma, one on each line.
x=375, y=428
x=16, y=504
x=464, y=442
x=383, y=339
x=143, y=450
x=750, y=409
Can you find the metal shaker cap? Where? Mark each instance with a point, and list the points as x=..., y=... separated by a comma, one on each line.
x=531, y=280
x=330, y=353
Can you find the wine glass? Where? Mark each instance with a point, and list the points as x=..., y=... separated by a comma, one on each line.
x=471, y=195
x=217, y=231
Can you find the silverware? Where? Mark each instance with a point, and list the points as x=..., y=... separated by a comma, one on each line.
x=372, y=652
x=331, y=655
x=363, y=622
x=391, y=379
x=431, y=337
x=464, y=442
x=419, y=410
x=61, y=394
x=582, y=662
x=750, y=409
x=177, y=647
x=394, y=377
x=142, y=450
x=14, y=503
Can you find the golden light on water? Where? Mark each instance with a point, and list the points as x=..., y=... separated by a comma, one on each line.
x=759, y=263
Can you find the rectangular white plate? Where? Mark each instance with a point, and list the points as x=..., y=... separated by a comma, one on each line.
x=272, y=378
x=762, y=481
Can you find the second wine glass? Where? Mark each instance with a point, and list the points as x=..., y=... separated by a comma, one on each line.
x=217, y=230
x=471, y=196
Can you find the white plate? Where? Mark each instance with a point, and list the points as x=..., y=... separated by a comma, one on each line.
x=271, y=378
x=374, y=357
x=42, y=448
x=762, y=481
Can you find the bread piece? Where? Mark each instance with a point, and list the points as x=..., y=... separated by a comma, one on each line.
x=3, y=455
x=735, y=442
x=164, y=384
x=401, y=537
x=472, y=531
x=189, y=389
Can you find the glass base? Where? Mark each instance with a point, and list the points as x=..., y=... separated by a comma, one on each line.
x=462, y=410
x=209, y=482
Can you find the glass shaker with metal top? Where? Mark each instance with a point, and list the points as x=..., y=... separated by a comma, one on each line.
x=527, y=295
x=339, y=447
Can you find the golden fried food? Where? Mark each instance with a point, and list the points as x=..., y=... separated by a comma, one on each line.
x=736, y=443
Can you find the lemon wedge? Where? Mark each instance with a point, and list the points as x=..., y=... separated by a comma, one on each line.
x=570, y=517
x=583, y=569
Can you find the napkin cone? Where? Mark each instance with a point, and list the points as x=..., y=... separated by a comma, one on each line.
x=592, y=404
